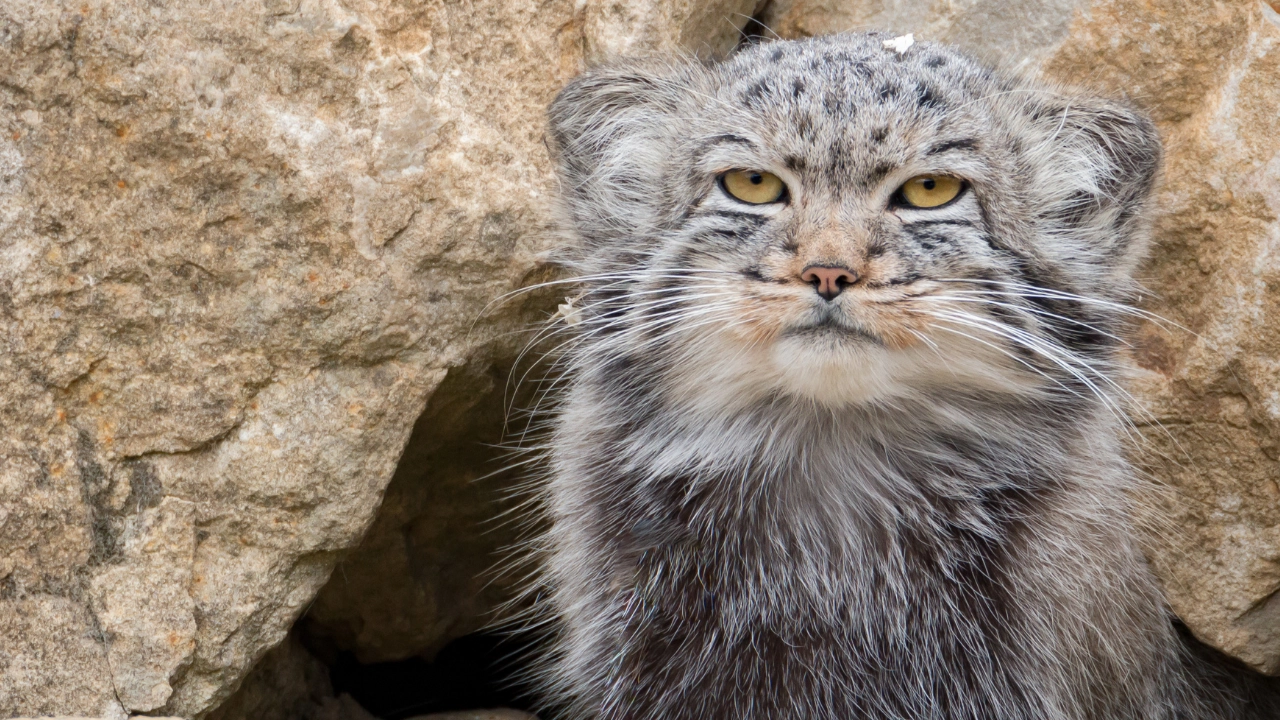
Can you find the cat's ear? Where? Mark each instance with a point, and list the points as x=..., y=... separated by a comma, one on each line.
x=610, y=132
x=606, y=104
x=1097, y=166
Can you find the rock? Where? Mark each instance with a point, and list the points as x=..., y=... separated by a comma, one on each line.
x=289, y=684
x=638, y=27
x=1014, y=33
x=1207, y=73
x=52, y=659
x=144, y=606
x=241, y=244
x=423, y=574
x=1216, y=388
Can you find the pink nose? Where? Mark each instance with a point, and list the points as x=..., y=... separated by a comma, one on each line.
x=828, y=281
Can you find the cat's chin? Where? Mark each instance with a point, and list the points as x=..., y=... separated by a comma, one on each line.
x=834, y=368
x=837, y=367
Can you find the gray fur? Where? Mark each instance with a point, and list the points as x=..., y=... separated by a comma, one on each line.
x=908, y=503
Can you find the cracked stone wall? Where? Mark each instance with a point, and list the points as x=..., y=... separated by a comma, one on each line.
x=244, y=242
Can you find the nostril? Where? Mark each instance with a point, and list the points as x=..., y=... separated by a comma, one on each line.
x=828, y=281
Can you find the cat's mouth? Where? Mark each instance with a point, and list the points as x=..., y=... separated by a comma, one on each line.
x=834, y=325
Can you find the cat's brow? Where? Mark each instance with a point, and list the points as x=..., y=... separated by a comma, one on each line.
x=725, y=138
x=961, y=144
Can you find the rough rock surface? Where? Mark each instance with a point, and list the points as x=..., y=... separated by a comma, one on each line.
x=289, y=684
x=423, y=574
x=1208, y=73
x=241, y=243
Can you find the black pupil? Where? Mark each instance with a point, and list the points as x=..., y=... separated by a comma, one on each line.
x=756, y=178
x=929, y=184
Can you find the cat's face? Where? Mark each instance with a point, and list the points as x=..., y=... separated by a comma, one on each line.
x=837, y=221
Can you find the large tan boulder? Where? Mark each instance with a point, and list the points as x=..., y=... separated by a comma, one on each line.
x=241, y=244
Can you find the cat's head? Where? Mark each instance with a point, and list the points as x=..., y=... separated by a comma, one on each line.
x=839, y=221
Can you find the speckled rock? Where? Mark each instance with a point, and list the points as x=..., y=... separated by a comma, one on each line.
x=1209, y=380
x=241, y=244
x=288, y=683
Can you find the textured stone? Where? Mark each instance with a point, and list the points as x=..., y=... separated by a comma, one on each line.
x=52, y=660
x=639, y=27
x=422, y=575
x=144, y=605
x=241, y=243
x=1208, y=381
x=1014, y=33
x=288, y=683
x=1216, y=387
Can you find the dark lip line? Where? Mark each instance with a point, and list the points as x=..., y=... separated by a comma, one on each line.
x=831, y=326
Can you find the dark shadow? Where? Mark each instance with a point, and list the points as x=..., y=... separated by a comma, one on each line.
x=475, y=671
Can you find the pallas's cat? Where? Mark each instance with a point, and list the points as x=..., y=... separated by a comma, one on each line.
x=841, y=433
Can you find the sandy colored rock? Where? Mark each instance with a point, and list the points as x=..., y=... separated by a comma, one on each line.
x=1013, y=33
x=241, y=244
x=424, y=574
x=144, y=605
x=288, y=683
x=52, y=659
x=615, y=28
x=1217, y=391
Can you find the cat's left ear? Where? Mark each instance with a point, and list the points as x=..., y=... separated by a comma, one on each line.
x=1097, y=168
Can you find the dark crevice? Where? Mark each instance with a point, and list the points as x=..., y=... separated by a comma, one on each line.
x=757, y=30
x=476, y=671
x=400, y=628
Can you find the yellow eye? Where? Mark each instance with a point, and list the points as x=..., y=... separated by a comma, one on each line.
x=930, y=191
x=753, y=186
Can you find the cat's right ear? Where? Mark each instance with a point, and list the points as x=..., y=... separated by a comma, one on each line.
x=610, y=135
x=606, y=105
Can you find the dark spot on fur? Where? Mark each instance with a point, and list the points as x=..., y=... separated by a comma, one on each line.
x=879, y=172
x=757, y=92
x=832, y=103
x=936, y=61
x=804, y=127
x=927, y=97
x=879, y=134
